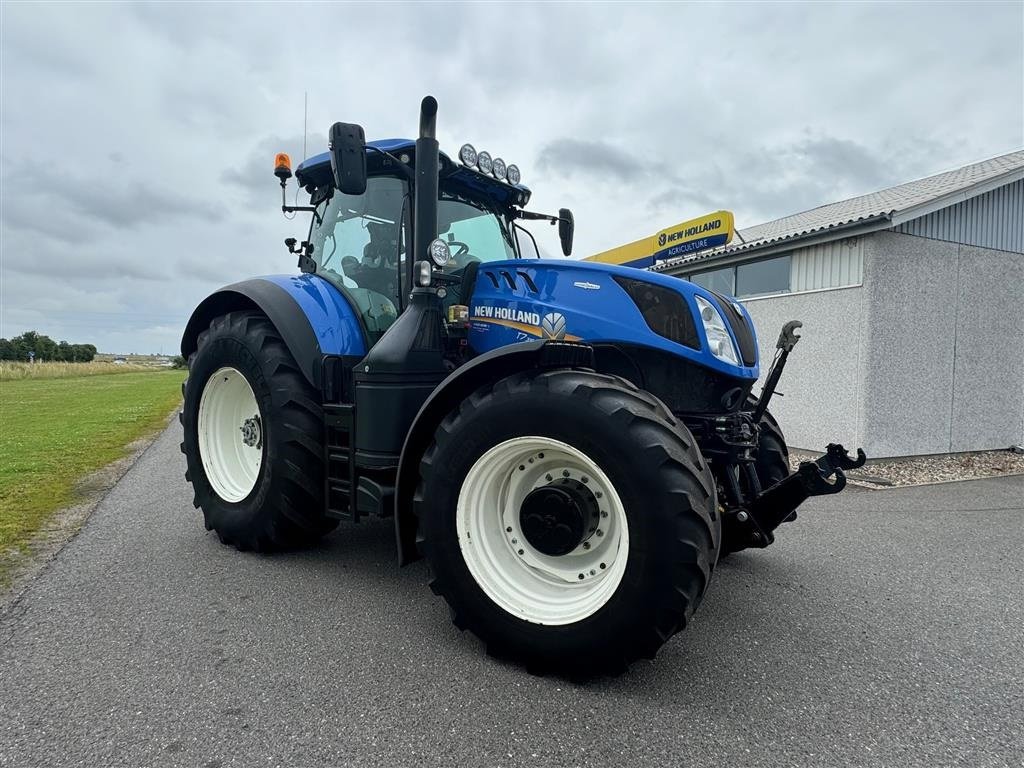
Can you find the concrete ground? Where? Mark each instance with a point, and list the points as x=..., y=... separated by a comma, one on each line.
x=883, y=628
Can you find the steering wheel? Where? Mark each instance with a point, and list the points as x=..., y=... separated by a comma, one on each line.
x=461, y=256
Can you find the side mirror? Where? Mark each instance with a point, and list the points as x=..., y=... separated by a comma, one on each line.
x=566, y=227
x=348, y=157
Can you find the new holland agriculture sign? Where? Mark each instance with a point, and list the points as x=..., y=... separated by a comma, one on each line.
x=692, y=236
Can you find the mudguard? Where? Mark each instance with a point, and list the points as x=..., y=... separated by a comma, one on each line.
x=489, y=367
x=313, y=317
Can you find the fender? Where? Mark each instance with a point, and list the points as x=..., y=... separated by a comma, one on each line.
x=489, y=367
x=313, y=317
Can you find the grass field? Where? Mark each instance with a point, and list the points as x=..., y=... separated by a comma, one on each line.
x=53, y=431
x=13, y=371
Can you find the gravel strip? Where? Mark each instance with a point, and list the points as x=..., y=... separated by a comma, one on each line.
x=925, y=470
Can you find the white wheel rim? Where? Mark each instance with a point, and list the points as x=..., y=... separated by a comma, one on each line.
x=230, y=434
x=525, y=582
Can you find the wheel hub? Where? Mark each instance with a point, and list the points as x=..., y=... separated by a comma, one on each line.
x=555, y=519
x=252, y=432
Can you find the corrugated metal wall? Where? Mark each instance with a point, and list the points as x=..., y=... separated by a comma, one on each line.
x=829, y=265
x=993, y=220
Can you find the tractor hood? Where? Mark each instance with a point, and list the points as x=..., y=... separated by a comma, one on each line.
x=521, y=299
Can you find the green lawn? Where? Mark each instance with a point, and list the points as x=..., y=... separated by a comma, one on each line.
x=54, y=431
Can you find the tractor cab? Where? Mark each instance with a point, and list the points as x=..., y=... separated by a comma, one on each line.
x=361, y=241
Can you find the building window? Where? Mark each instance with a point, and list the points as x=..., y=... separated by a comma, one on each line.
x=718, y=280
x=757, y=278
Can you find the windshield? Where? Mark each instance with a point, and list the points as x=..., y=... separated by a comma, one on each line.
x=358, y=243
x=474, y=233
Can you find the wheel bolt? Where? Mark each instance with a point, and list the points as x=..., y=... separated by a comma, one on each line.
x=581, y=575
x=604, y=513
x=598, y=494
x=548, y=477
x=602, y=566
x=584, y=479
x=509, y=529
x=540, y=455
x=522, y=467
x=520, y=551
x=593, y=572
x=742, y=516
x=586, y=545
x=515, y=541
x=600, y=532
x=565, y=473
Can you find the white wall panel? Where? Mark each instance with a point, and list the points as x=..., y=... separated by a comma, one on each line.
x=835, y=264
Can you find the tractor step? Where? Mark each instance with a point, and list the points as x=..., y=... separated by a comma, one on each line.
x=339, y=423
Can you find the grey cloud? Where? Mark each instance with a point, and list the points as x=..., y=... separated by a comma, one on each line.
x=595, y=159
x=122, y=205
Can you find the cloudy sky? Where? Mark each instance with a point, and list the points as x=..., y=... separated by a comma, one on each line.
x=137, y=140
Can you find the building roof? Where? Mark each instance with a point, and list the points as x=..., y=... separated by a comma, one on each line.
x=878, y=210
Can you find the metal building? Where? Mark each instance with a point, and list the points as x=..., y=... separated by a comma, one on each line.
x=912, y=300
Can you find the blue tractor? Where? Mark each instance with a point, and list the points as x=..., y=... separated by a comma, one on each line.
x=572, y=446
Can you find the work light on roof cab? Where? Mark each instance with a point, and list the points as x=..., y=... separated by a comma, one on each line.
x=484, y=162
x=499, y=169
x=468, y=155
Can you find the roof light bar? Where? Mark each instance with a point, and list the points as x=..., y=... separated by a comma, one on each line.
x=483, y=162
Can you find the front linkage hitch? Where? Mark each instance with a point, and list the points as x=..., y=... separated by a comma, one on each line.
x=773, y=506
x=752, y=524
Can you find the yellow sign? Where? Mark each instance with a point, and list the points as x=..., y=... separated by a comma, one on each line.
x=691, y=236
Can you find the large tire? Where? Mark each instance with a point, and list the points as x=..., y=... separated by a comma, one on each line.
x=654, y=475
x=284, y=508
x=772, y=459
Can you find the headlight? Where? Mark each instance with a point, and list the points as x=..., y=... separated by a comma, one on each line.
x=483, y=162
x=440, y=253
x=467, y=155
x=499, y=169
x=512, y=174
x=719, y=340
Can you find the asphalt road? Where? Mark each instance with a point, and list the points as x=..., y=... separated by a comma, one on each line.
x=883, y=628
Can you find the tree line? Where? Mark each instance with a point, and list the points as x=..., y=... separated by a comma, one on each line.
x=42, y=347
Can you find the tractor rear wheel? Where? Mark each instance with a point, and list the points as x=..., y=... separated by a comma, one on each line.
x=569, y=521
x=253, y=437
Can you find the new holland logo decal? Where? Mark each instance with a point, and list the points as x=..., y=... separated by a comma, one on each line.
x=551, y=326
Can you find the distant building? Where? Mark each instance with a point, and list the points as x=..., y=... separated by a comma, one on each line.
x=912, y=300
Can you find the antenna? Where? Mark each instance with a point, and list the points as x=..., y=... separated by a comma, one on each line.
x=305, y=112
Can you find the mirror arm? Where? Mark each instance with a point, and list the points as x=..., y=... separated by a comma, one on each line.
x=406, y=170
x=530, y=215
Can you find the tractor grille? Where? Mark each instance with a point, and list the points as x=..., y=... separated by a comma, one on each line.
x=664, y=310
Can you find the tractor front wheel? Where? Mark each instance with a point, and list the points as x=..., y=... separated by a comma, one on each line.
x=253, y=437
x=569, y=521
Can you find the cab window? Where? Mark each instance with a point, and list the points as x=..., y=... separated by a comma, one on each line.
x=360, y=245
x=473, y=233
